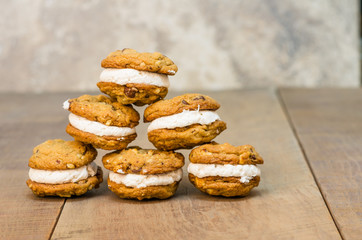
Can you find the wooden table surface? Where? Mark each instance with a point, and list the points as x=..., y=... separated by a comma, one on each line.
x=311, y=141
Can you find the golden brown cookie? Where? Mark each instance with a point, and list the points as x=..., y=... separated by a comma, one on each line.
x=129, y=58
x=66, y=189
x=143, y=173
x=58, y=154
x=99, y=121
x=63, y=168
x=224, y=186
x=189, y=101
x=102, y=109
x=160, y=192
x=133, y=93
x=103, y=142
x=143, y=161
x=225, y=154
x=185, y=137
x=225, y=170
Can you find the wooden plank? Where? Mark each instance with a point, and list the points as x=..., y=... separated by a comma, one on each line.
x=26, y=121
x=328, y=123
x=286, y=205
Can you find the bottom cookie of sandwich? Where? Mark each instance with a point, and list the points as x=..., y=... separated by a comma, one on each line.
x=160, y=192
x=224, y=186
x=66, y=189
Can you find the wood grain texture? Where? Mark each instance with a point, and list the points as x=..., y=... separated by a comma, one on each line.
x=329, y=125
x=286, y=205
x=26, y=121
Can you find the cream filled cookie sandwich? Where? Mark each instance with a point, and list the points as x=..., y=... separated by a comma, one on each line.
x=137, y=78
x=63, y=168
x=99, y=121
x=137, y=173
x=223, y=169
x=183, y=122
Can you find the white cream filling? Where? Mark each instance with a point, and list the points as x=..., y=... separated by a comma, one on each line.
x=245, y=172
x=141, y=181
x=184, y=119
x=98, y=128
x=63, y=176
x=66, y=105
x=127, y=75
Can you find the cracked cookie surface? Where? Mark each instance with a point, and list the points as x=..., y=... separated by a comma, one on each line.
x=189, y=101
x=143, y=161
x=143, y=61
x=58, y=154
x=225, y=154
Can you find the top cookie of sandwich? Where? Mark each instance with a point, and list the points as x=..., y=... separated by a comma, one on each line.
x=58, y=154
x=129, y=58
x=189, y=101
x=143, y=161
x=225, y=154
x=102, y=109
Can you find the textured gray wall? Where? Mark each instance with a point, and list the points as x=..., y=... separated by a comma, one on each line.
x=58, y=45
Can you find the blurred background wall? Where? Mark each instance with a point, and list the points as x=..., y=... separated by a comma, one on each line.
x=58, y=45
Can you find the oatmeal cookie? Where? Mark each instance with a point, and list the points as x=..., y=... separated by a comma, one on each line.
x=143, y=173
x=57, y=154
x=99, y=121
x=225, y=154
x=129, y=58
x=160, y=192
x=133, y=93
x=63, y=168
x=185, y=137
x=66, y=189
x=189, y=101
x=224, y=186
x=224, y=170
x=143, y=161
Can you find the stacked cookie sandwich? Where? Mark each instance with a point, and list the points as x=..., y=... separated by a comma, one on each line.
x=143, y=173
x=99, y=121
x=222, y=169
x=137, y=78
x=183, y=122
x=63, y=168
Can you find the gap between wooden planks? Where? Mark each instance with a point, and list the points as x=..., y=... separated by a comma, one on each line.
x=26, y=121
x=328, y=123
x=286, y=205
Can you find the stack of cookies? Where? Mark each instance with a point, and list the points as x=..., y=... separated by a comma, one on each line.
x=183, y=122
